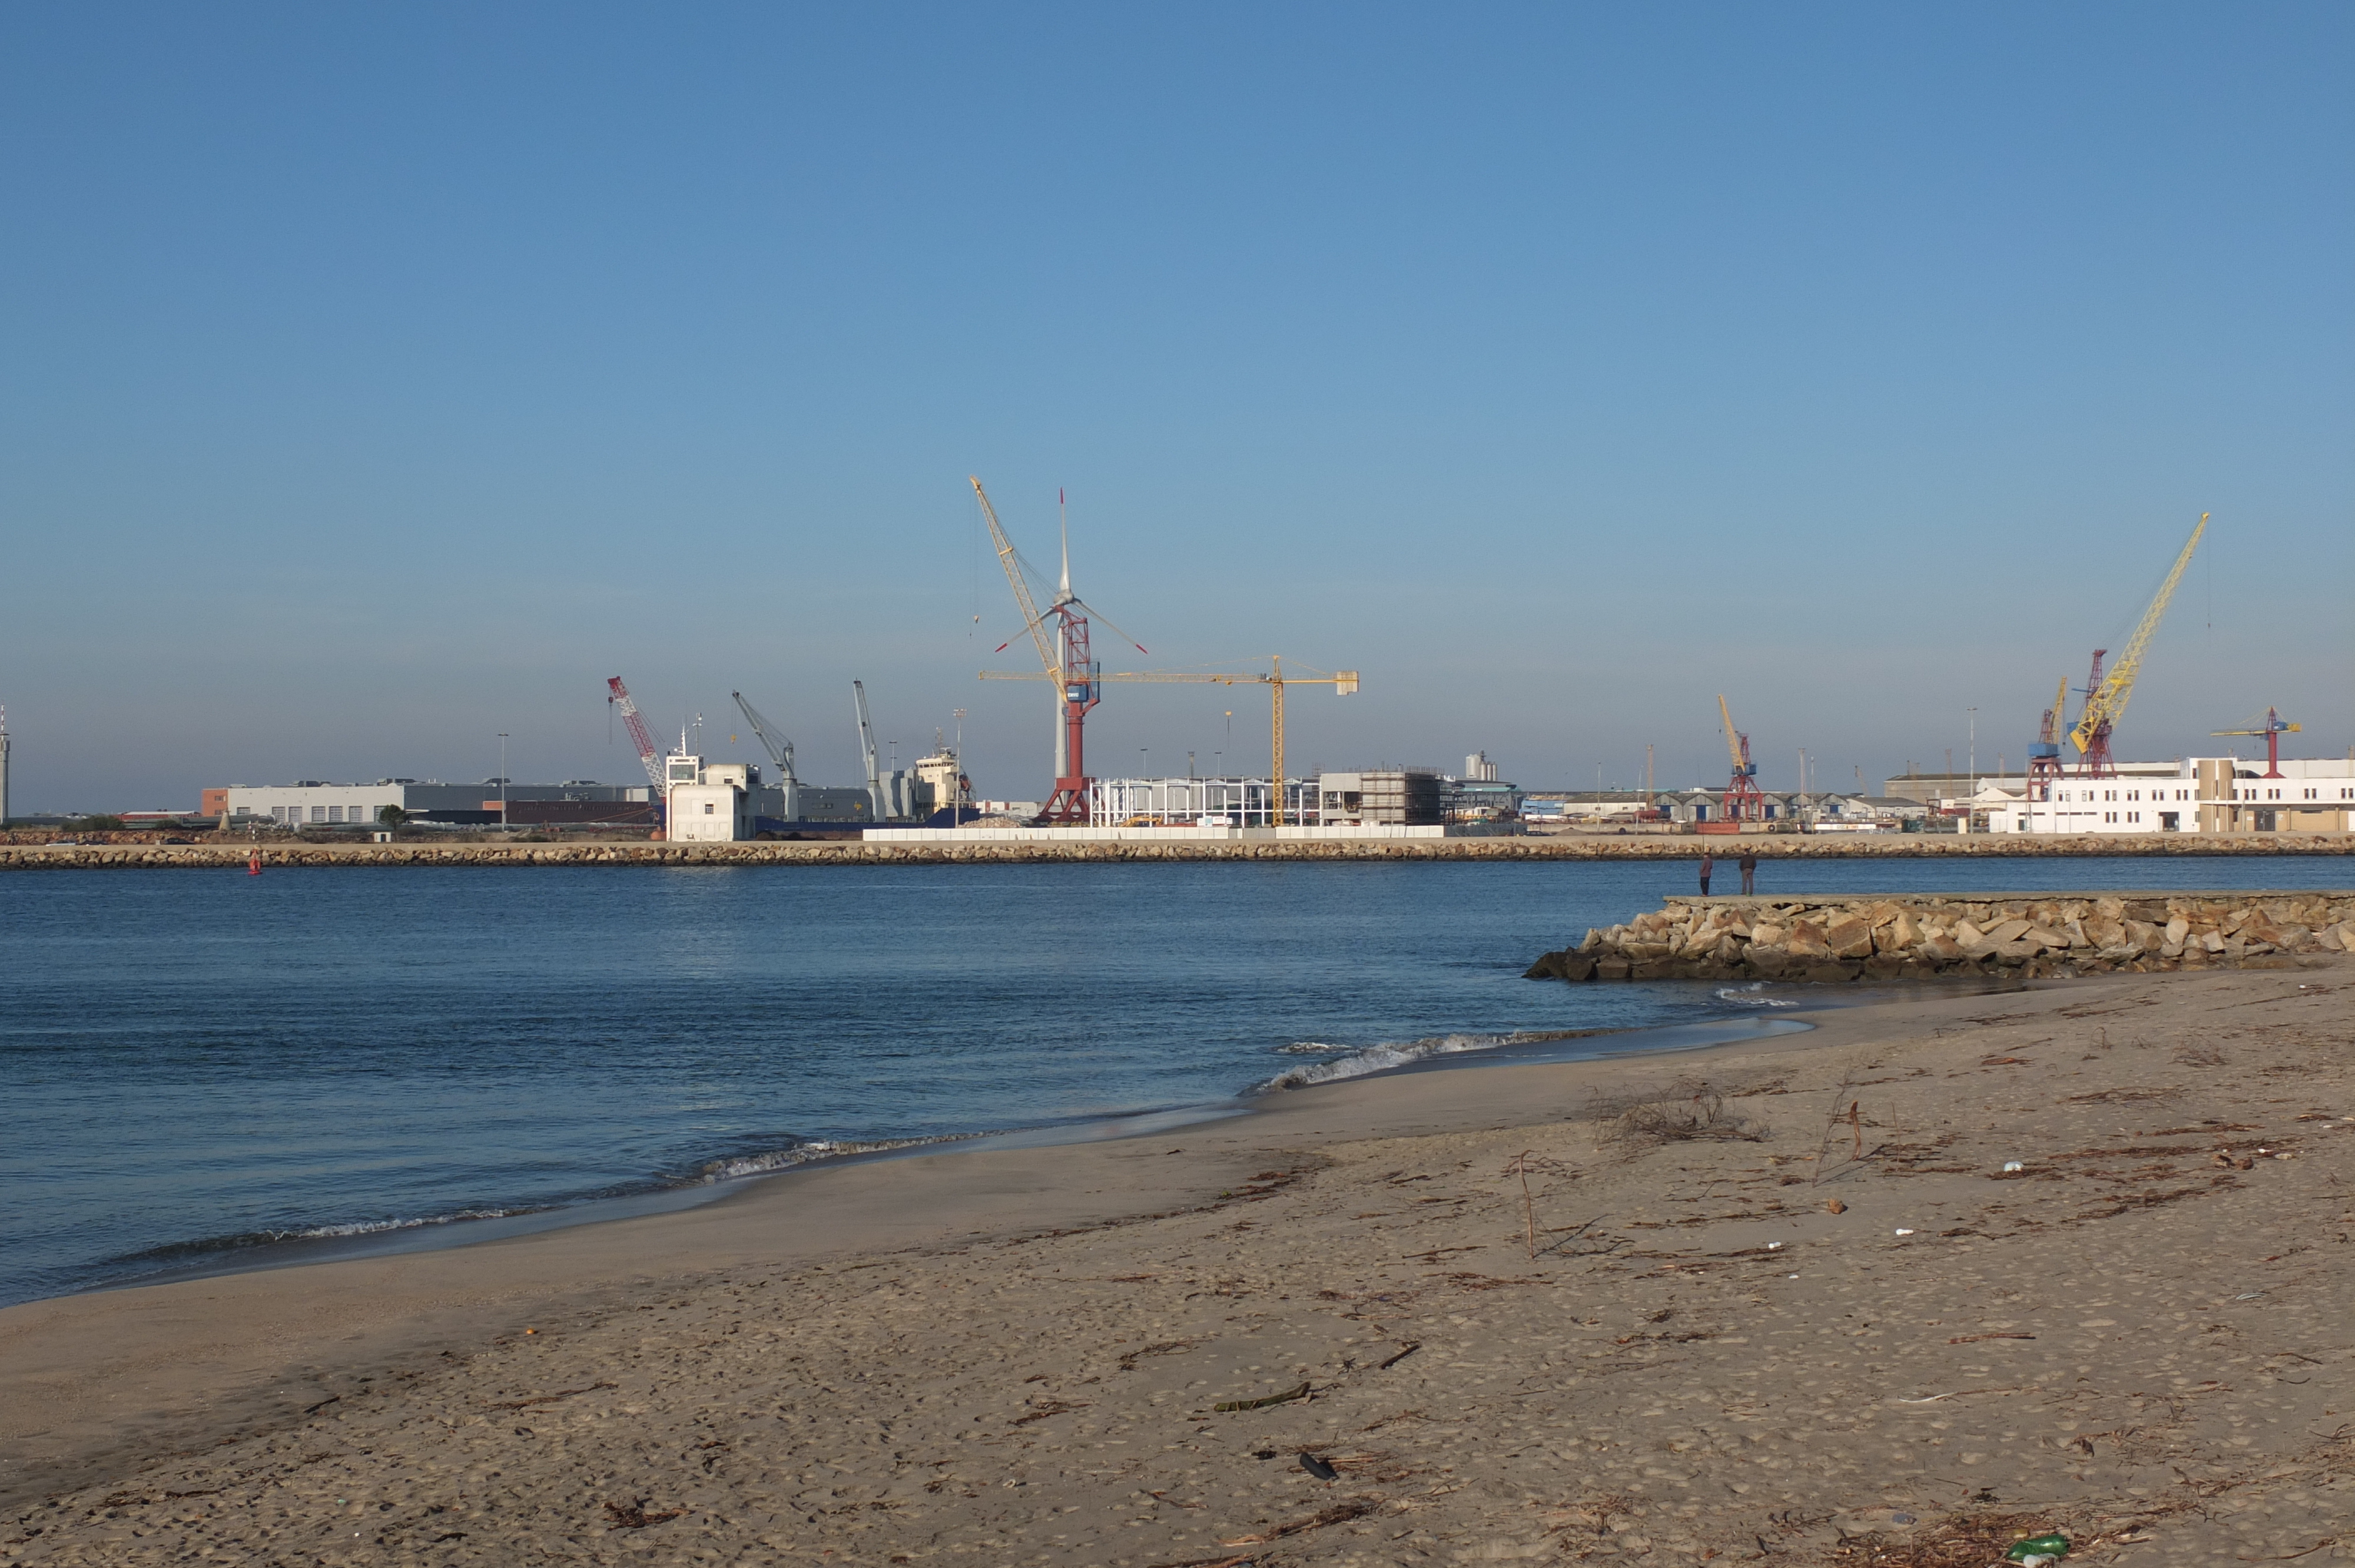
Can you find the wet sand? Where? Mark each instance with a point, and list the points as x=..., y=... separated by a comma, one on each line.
x=1725, y=1319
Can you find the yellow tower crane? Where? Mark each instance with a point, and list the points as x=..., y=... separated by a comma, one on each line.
x=2273, y=727
x=1343, y=682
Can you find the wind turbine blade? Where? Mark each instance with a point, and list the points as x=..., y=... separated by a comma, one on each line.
x=1022, y=630
x=1096, y=615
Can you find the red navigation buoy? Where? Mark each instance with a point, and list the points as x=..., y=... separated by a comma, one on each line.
x=253, y=862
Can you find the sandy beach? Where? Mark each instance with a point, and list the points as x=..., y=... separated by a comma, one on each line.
x=1784, y=1302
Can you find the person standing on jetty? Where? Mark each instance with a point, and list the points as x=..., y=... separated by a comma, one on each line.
x=1708, y=865
x=1749, y=871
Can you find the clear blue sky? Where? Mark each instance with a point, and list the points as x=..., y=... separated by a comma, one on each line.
x=375, y=379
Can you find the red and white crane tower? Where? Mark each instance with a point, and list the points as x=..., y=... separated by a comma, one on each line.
x=619, y=695
x=1064, y=655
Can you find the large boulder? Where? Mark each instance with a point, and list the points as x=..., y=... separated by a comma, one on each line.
x=1807, y=940
x=1850, y=938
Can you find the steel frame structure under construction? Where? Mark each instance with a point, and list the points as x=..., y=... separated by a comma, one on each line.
x=1175, y=802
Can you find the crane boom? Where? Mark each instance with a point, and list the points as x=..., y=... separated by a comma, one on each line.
x=780, y=749
x=1032, y=621
x=620, y=697
x=2107, y=703
x=2274, y=728
x=867, y=745
x=1732, y=742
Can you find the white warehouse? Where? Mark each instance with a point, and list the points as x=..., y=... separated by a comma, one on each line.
x=2207, y=795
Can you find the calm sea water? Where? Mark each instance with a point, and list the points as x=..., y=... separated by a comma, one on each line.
x=199, y=1065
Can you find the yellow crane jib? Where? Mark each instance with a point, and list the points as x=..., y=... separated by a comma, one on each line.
x=2273, y=727
x=2106, y=703
x=1733, y=747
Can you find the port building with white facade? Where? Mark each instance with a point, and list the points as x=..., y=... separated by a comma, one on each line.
x=2216, y=795
x=314, y=802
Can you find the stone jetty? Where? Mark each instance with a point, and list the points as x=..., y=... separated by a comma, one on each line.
x=2003, y=935
x=127, y=850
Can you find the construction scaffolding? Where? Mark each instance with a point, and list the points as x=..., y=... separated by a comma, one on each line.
x=1181, y=802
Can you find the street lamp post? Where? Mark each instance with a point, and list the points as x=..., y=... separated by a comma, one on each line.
x=956, y=780
x=503, y=778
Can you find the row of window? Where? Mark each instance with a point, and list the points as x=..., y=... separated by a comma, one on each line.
x=2027, y=821
x=292, y=815
x=2315, y=794
x=2112, y=794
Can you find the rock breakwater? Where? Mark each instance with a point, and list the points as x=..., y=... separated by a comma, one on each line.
x=1912, y=938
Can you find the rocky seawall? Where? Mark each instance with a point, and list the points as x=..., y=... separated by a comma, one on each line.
x=2023, y=937
x=217, y=853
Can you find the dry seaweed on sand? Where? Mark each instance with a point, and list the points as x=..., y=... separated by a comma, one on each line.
x=633, y=1515
x=1340, y=1514
x=1687, y=1113
x=1958, y=1540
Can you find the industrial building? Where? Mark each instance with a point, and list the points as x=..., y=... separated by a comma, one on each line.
x=312, y=802
x=1223, y=802
x=1411, y=796
x=1943, y=789
x=1478, y=795
x=2203, y=794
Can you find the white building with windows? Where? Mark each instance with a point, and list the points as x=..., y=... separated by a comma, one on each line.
x=315, y=803
x=709, y=804
x=2206, y=795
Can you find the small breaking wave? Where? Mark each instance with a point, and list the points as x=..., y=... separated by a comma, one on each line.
x=1753, y=995
x=1308, y=1048
x=785, y=1158
x=207, y=1245
x=1378, y=1058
